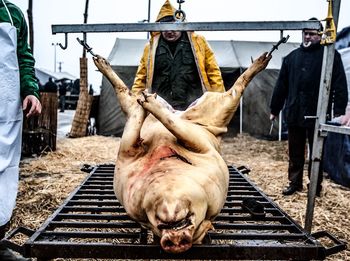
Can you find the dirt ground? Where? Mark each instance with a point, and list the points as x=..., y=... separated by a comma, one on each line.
x=47, y=180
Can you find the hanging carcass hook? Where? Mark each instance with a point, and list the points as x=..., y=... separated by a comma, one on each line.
x=86, y=46
x=179, y=14
x=65, y=42
x=275, y=46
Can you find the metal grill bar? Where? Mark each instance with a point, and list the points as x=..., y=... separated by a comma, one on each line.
x=92, y=223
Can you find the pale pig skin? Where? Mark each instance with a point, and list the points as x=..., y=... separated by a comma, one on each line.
x=170, y=176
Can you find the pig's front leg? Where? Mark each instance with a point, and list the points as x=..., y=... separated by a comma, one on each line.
x=185, y=131
x=126, y=99
x=135, y=114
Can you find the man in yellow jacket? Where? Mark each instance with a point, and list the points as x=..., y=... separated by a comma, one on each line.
x=178, y=66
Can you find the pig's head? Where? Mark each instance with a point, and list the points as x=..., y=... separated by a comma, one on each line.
x=179, y=220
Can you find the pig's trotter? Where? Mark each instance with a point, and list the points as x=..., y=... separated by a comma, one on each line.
x=102, y=64
x=149, y=102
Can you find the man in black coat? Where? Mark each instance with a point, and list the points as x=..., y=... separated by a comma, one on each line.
x=297, y=91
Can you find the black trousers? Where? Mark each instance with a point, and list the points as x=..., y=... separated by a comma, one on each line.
x=297, y=137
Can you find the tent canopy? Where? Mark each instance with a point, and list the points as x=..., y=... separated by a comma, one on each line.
x=43, y=75
x=229, y=54
x=232, y=57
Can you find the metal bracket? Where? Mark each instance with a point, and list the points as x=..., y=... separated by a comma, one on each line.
x=339, y=245
x=15, y=247
x=330, y=30
x=243, y=169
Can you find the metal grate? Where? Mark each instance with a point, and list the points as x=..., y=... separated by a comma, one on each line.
x=92, y=223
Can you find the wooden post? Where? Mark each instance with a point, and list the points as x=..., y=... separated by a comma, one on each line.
x=82, y=112
x=48, y=119
x=40, y=132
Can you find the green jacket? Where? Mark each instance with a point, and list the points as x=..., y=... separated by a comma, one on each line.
x=28, y=81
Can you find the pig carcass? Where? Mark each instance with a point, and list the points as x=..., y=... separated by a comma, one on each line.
x=170, y=176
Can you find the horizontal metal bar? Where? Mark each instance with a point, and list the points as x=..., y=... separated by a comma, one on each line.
x=89, y=234
x=62, y=216
x=119, y=224
x=254, y=226
x=242, y=188
x=336, y=129
x=231, y=198
x=241, y=211
x=254, y=236
x=101, y=197
x=50, y=250
x=97, y=186
x=92, y=209
x=93, y=203
x=241, y=184
x=95, y=192
x=247, y=218
x=185, y=26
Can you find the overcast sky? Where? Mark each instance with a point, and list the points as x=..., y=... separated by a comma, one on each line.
x=48, y=12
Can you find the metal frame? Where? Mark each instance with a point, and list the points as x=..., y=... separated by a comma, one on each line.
x=320, y=126
x=91, y=223
x=185, y=26
x=243, y=26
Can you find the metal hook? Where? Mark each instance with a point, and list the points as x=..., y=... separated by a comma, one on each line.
x=65, y=42
x=86, y=46
x=275, y=46
x=179, y=14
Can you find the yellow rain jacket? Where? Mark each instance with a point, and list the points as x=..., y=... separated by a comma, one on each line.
x=207, y=66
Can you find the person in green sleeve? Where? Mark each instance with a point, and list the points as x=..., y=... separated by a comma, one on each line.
x=19, y=92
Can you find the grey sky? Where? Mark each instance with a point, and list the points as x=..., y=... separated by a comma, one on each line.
x=48, y=12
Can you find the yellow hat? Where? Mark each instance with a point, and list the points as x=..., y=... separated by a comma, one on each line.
x=166, y=10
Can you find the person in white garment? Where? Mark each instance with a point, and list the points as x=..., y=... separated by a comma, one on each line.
x=19, y=94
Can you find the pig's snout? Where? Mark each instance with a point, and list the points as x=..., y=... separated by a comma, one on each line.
x=176, y=241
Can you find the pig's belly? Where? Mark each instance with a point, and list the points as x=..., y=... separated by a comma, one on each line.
x=171, y=175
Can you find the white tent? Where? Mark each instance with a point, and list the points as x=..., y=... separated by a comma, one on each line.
x=232, y=56
x=229, y=54
x=44, y=74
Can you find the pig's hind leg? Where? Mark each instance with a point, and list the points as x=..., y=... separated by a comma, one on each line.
x=135, y=114
x=185, y=131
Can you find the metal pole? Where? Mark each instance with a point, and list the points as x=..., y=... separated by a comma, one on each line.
x=85, y=21
x=280, y=118
x=241, y=115
x=54, y=57
x=149, y=15
x=280, y=126
x=323, y=98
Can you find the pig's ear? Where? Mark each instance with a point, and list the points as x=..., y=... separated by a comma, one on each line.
x=202, y=231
